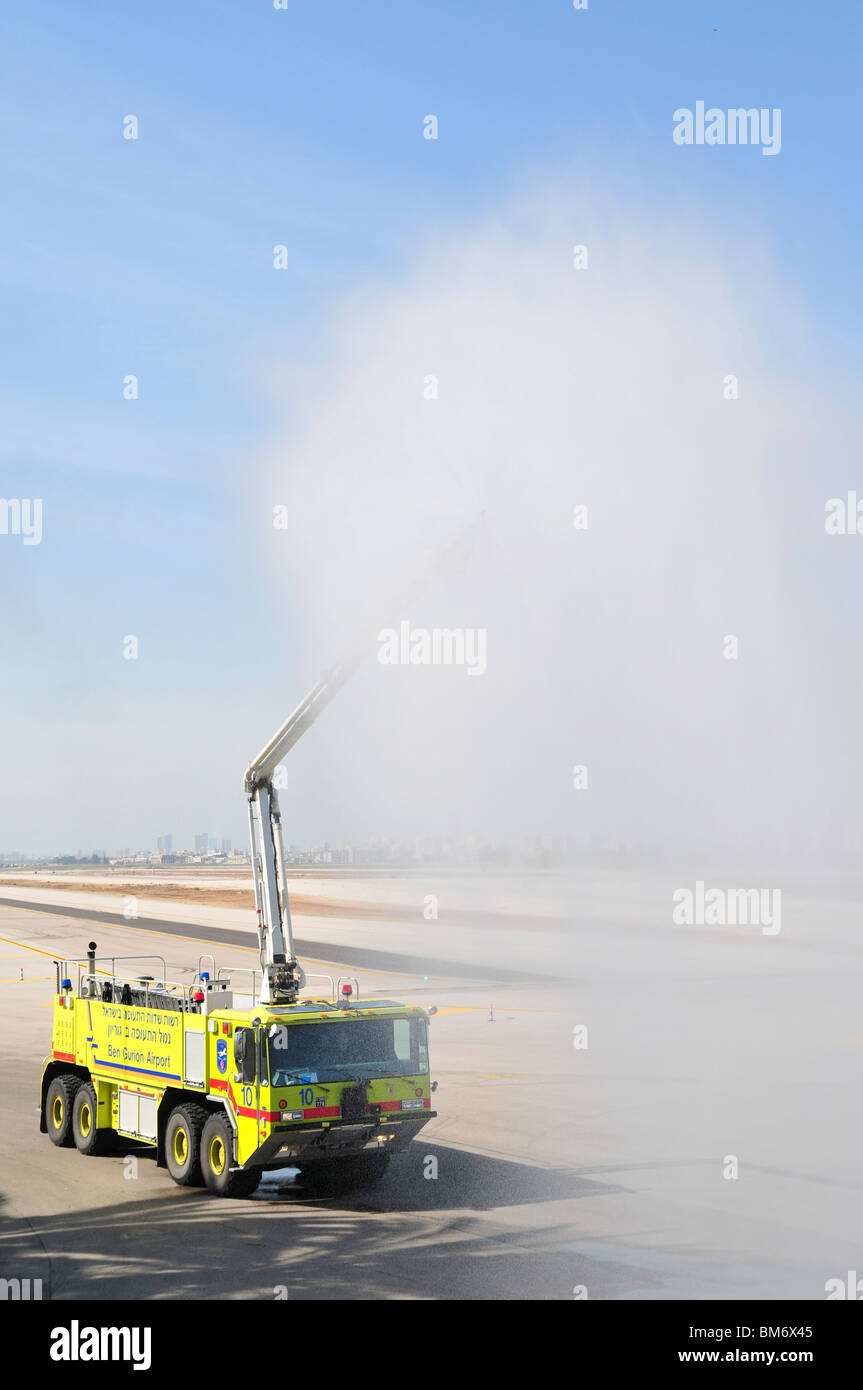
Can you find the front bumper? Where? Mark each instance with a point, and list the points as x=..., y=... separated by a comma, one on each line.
x=298, y=1142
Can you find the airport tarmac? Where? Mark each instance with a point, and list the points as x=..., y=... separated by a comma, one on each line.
x=605, y=1170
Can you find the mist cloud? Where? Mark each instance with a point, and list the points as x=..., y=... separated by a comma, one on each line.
x=498, y=379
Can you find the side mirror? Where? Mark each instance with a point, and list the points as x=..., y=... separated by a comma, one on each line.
x=244, y=1054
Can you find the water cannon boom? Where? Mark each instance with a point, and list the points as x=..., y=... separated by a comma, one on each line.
x=282, y=975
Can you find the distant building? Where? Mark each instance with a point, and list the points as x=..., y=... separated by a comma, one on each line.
x=226, y=847
x=201, y=843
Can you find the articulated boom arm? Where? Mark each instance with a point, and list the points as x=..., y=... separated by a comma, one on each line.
x=283, y=977
x=264, y=765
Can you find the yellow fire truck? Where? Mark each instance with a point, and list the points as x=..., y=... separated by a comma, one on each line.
x=332, y=1086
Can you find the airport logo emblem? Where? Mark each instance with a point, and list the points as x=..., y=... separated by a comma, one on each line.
x=222, y=1055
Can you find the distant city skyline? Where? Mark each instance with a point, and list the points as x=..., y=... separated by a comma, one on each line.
x=375, y=851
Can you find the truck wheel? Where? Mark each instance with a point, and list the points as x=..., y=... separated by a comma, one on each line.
x=243, y=1182
x=59, y=1100
x=87, y=1138
x=183, y=1144
x=217, y=1143
x=338, y=1176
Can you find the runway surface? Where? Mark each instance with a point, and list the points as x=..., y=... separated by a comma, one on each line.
x=606, y=1169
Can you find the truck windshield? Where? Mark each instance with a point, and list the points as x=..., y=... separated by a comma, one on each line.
x=345, y=1049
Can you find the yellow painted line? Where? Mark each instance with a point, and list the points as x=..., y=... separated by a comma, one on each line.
x=115, y=926
x=24, y=947
x=39, y=951
x=17, y=980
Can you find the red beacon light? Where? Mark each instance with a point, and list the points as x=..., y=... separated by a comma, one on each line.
x=347, y=991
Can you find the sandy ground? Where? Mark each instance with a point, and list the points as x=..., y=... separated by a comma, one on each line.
x=303, y=904
x=192, y=894
x=500, y=893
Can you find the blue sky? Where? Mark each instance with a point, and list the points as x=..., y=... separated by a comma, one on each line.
x=304, y=127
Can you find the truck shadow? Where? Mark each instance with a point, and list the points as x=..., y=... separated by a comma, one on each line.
x=433, y=1177
x=168, y=1243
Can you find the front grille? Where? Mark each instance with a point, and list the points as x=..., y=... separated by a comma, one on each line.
x=354, y=1103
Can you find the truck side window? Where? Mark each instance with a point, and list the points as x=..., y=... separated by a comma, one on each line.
x=402, y=1038
x=244, y=1053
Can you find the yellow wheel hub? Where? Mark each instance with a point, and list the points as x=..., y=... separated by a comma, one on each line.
x=217, y=1155
x=181, y=1146
x=57, y=1112
x=85, y=1119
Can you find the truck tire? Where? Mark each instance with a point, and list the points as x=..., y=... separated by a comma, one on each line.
x=59, y=1099
x=87, y=1138
x=243, y=1182
x=183, y=1143
x=217, y=1142
x=338, y=1176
